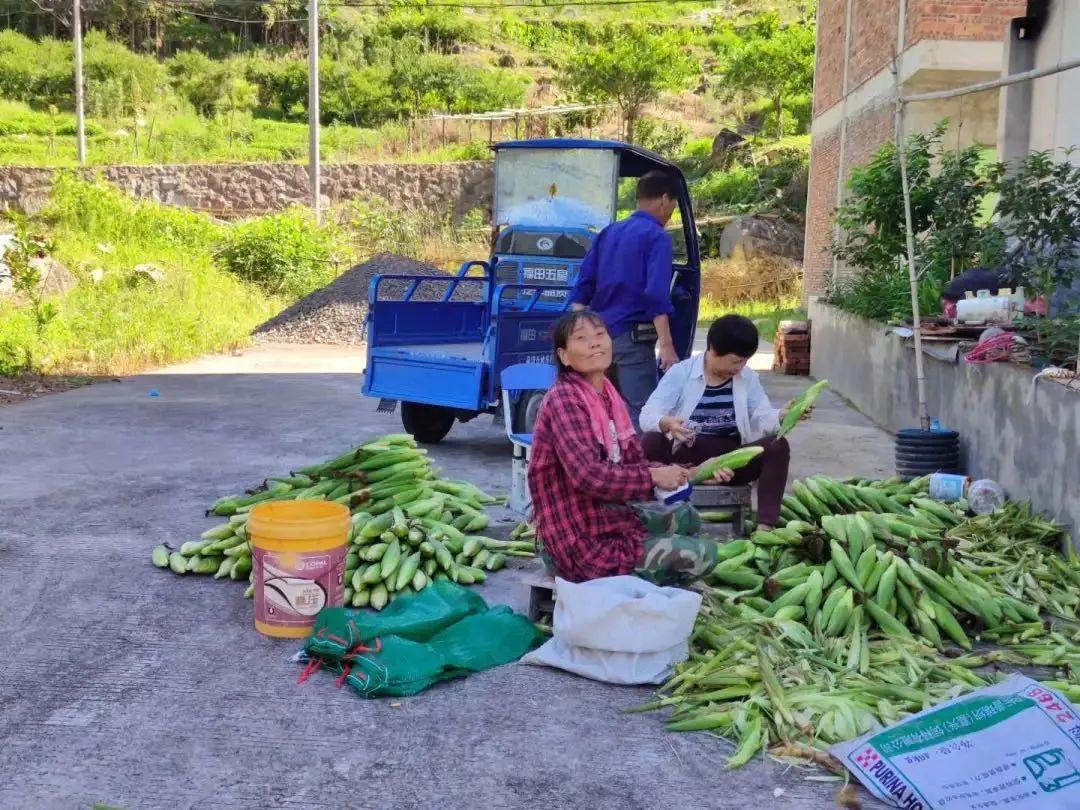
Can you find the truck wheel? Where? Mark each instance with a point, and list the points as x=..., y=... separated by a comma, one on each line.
x=429, y=424
x=528, y=406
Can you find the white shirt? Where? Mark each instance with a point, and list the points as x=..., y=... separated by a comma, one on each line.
x=681, y=388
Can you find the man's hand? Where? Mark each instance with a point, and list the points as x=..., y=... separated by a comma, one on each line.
x=668, y=357
x=677, y=429
x=721, y=476
x=669, y=477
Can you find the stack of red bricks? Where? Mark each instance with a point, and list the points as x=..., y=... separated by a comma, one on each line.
x=792, y=348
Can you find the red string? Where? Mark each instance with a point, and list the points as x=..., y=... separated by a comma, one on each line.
x=309, y=670
x=344, y=674
x=360, y=648
x=991, y=350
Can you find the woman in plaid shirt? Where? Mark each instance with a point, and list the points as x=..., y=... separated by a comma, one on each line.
x=587, y=467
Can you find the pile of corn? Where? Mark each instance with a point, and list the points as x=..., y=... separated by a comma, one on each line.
x=400, y=510
x=852, y=613
x=404, y=550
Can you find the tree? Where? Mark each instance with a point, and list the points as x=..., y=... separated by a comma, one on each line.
x=629, y=66
x=776, y=63
x=1039, y=207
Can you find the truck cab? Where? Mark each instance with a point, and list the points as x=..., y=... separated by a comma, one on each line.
x=437, y=346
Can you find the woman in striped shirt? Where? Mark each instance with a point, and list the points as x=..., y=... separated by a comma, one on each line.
x=713, y=403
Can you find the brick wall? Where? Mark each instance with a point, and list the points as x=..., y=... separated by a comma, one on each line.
x=829, y=74
x=865, y=134
x=824, y=164
x=873, y=39
x=981, y=20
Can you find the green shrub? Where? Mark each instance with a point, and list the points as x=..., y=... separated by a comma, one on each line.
x=372, y=225
x=442, y=30
x=661, y=137
x=362, y=96
x=17, y=118
x=737, y=188
x=200, y=80
x=698, y=149
x=37, y=72
x=99, y=208
x=286, y=253
x=282, y=83
x=119, y=82
x=117, y=324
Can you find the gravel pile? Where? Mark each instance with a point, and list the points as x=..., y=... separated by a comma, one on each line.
x=335, y=313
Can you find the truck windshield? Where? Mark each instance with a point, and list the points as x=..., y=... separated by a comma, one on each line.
x=555, y=187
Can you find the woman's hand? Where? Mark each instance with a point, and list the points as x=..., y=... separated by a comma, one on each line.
x=669, y=477
x=721, y=476
x=677, y=429
x=786, y=408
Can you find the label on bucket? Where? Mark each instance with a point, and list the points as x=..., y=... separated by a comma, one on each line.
x=946, y=487
x=291, y=587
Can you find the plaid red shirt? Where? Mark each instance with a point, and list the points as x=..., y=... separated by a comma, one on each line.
x=580, y=497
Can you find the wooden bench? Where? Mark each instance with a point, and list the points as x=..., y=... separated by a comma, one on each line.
x=541, y=591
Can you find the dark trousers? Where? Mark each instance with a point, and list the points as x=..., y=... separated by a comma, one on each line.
x=769, y=469
x=635, y=364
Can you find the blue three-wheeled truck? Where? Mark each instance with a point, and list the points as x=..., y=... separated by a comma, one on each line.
x=440, y=352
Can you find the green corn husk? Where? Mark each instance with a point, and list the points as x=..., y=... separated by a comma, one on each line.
x=734, y=460
x=799, y=406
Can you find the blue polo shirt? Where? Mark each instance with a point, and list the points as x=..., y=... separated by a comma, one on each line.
x=626, y=276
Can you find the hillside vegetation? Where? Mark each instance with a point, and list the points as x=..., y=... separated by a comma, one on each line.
x=167, y=83
x=226, y=80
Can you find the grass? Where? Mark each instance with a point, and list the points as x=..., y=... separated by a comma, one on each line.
x=220, y=280
x=119, y=323
x=766, y=314
x=31, y=137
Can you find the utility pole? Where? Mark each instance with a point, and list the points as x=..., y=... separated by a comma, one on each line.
x=314, y=175
x=80, y=120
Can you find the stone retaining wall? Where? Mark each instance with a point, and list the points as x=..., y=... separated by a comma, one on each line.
x=246, y=189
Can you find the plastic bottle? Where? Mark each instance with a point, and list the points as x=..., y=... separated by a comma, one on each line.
x=985, y=496
x=980, y=497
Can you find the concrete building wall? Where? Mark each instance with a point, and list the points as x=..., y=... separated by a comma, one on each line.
x=1024, y=439
x=1055, y=102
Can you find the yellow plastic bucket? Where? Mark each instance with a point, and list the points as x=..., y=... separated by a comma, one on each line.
x=298, y=556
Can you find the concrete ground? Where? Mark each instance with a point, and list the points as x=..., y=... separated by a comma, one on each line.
x=127, y=685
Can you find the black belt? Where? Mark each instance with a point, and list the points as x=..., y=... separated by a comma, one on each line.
x=643, y=333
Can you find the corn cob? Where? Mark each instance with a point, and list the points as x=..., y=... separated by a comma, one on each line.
x=736, y=459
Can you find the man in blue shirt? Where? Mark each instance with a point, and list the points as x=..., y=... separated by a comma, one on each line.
x=626, y=279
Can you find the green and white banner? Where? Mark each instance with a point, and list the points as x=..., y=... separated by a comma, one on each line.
x=1013, y=745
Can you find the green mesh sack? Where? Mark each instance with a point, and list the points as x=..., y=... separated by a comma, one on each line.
x=487, y=640
x=661, y=519
x=397, y=667
x=416, y=616
x=445, y=631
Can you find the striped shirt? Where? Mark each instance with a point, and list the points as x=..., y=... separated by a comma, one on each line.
x=715, y=412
